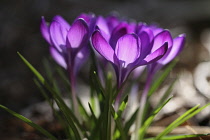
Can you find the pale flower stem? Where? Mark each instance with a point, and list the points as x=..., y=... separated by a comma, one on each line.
x=74, y=96
x=142, y=104
x=118, y=98
x=117, y=101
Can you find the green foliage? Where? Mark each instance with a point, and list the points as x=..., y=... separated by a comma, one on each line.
x=101, y=119
x=29, y=122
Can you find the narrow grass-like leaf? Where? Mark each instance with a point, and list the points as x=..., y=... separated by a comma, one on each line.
x=68, y=118
x=71, y=119
x=29, y=122
x=107, y=108
x=148, y=122
x=130, y=122
x=116, y=135
x=48, y=69
x=122, y=107
x=95, y=134
x=163, y=98
x=50, y=102
x=63, y=76
x=92, y=112
x=167, y=93
x=83, y=110
x=162, y=77
x=177, y=137
x=187, y=115
x=43, y=92
x=38, y=75
x=119, y=125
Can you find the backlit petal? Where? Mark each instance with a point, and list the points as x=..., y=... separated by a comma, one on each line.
x=62, y=21
x=128, y=48
x=156, y=55
x=178, y=44
x=57, y=36
x=145, y=44
x=78, y=34
x=161, y=38
x=102, y=46
x=118, y=32
x=45, y=30
x=58, y=57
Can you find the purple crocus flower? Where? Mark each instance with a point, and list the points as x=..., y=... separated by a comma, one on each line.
x=127, y=54
x=175, y=46
x=69, y=45
x=108, y=24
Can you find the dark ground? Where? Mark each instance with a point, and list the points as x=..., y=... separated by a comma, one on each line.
x=19, y=31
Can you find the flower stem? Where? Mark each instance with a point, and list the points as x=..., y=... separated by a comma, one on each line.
x=74, y=95
x=142, y=103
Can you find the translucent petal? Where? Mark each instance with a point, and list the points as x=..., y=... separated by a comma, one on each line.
x=78, y=34
x=161, y=38
x=178, y=44
x=58, y=57
x=45, y=30
x=156, y=55
x=58, y=35
x=118, y=32
x=128, y=49
x=62, y=21
x=102, y=46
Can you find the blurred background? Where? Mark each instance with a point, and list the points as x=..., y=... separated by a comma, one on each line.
x=20, y=31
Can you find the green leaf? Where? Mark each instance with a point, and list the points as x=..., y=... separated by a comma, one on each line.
x=162, y=77
x=148, y=122
x=130, y=122
x=38, y=75
x=167, y=92
x=107, y=108
x=119, y=125
x=97, y=130
x=70, y=117
x=92, y=112
x=187, y=115
x=29, y=122
x=83, y=110
x=176, y=137
x=50, y=102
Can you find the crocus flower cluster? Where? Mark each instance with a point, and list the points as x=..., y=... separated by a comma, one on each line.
x=68, y=44
x=131, y=45
x=126, y=45
x=160, y=37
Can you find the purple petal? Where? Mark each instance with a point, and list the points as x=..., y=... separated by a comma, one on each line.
x=178, y=44
x=102, y=25
x=128, y=48
x=144, y=28
x=58, y=35
x=138, y=71
x=155, y=29
x=145, y=44
x=80, y=58
x=45, y=30
x=86, y=17
x=78, y=34
x=161, y=38
x=156, y=55
x=112, y=22
x=90, y=20
x=102, y=46
x=58, y=57
x=62, y=21
x=118, y=32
